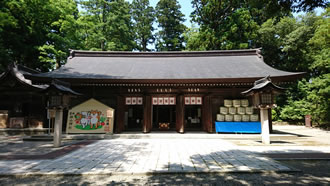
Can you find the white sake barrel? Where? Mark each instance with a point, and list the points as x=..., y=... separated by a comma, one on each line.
x=229, y=117
x=223, y=110
x=228, y=103
x=237, y=117
x=245, y=117
x=249, y=110
x=245, y=103
x=254, y=117
x=220, y=117
x=241, y=110
x=232, y=110
x=236, y=103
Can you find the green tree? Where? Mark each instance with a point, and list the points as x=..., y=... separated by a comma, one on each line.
x=62, y=35
x=213, y=13
x=36, y=33
x=143, y=16
x=195, y=41
x=301, y=44
x=318, y=92
x=232, y=24
x=284, y=42
x=170, y=19
x=106, y=25
x=236, y=31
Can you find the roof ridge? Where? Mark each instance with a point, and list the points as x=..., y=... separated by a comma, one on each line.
x=85, y=53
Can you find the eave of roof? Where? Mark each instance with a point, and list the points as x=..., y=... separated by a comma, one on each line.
x=18, y=74
x=61, y=86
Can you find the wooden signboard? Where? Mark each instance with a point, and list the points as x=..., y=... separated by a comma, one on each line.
x=91, y=116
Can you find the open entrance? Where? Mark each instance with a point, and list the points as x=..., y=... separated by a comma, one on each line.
x=134, y=118
x=193, y=117
x=163, y=115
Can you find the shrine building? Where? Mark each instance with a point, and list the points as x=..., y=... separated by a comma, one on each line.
x=163, y=91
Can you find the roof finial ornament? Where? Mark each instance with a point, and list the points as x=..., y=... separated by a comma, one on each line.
x=263, y=80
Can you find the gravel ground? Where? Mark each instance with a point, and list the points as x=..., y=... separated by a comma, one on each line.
x=314, y=173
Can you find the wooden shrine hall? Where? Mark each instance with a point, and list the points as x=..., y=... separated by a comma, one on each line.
x=153, y=91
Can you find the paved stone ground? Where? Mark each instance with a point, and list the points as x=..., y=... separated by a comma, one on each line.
x=134, y=156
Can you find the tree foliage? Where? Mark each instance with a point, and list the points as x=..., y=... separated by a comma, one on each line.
x=62, y=35
x=232, y=24
x=37, y=34
x=106, y=25
x=237, y=31
x=143, y=16
x=301, y=44
x=170, y=19
x=284, y=42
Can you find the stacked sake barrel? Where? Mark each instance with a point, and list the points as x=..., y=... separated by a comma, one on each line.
x=237, y=110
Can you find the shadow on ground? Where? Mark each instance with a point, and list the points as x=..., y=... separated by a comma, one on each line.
x=314, y=173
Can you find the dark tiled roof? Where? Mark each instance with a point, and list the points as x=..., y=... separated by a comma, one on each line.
x=165, y=65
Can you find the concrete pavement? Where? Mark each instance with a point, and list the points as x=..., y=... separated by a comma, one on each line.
x=143, y=156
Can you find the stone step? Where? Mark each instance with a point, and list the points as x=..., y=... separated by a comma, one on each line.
x=274, y=137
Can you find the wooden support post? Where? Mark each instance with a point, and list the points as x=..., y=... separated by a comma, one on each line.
x=265, y=136
x=147, y=114
x=120, y=113
x=179, y=114
x=58, y=127
x=207, y=114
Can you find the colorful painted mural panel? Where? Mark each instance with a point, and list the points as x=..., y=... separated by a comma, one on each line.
x=90, y=117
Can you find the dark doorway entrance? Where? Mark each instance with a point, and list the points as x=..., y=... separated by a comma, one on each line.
x=163, y=114
x=193, y=117
x=134, y=118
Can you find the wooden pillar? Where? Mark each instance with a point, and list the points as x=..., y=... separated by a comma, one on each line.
x=207, y=114
x=147, y=114
x=120, y=113
x=264, y=126
x=270, y=120
x=179, y=114
x=58, y=128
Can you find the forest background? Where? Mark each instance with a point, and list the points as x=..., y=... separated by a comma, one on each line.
x=39, y=34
